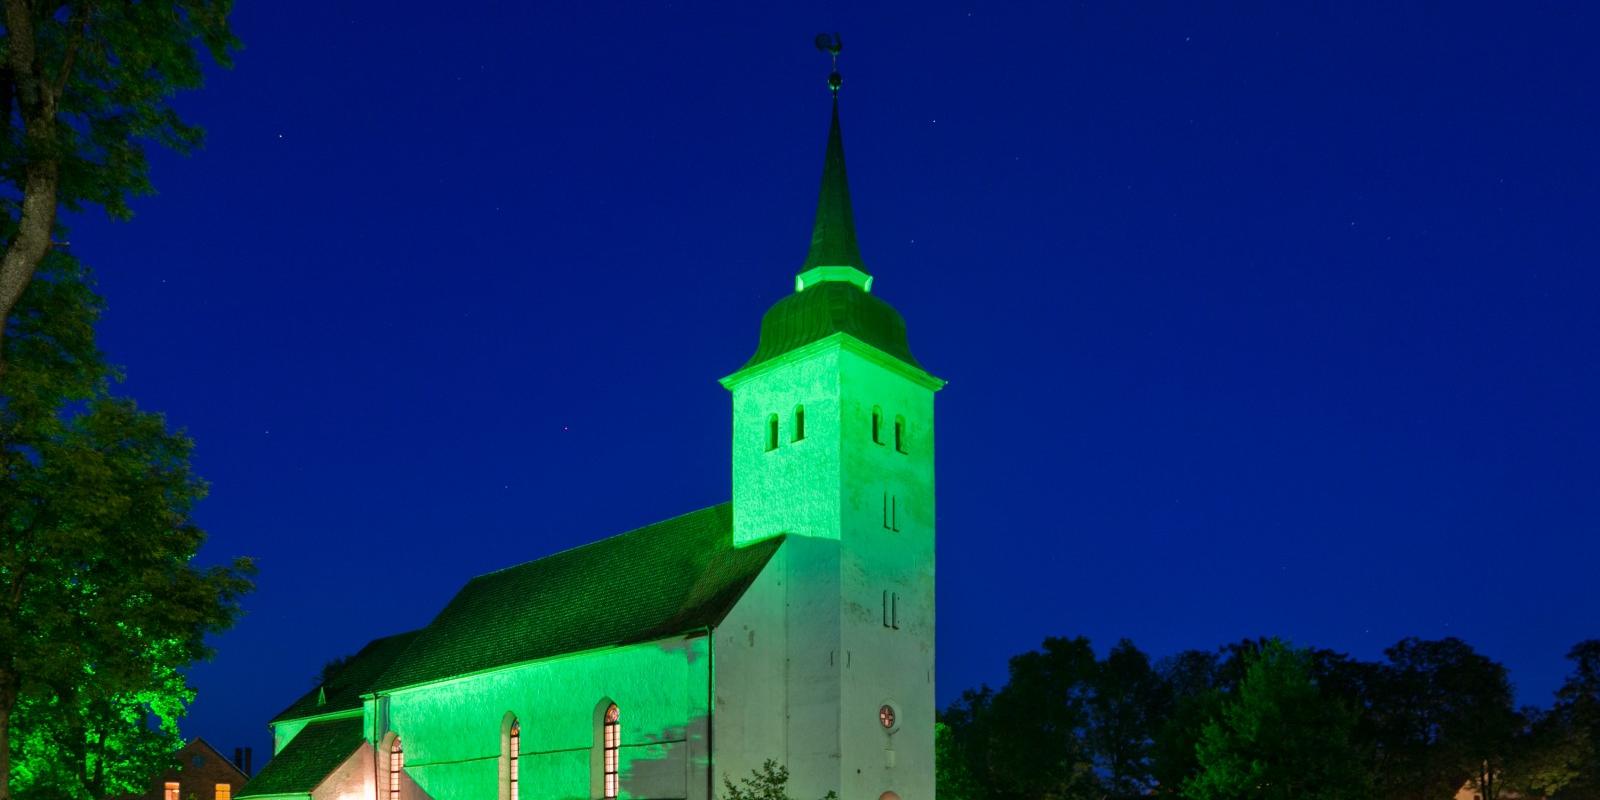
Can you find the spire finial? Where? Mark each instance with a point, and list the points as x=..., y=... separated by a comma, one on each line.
x=834, y=255
x=832, y=44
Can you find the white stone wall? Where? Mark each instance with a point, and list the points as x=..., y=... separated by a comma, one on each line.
x=451, y=731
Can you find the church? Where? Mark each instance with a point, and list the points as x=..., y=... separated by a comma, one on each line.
x=794, y=623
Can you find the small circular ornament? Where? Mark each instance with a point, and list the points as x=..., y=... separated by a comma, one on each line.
x=886, y=717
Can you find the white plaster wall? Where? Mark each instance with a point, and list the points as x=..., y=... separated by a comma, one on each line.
x=887, y=665
x=823, y=602
x=451, y=730
x=352, y=780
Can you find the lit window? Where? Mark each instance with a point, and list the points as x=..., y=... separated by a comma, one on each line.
x=397, y=762
x=877, y=425
x=612, y=741
x=799, y=423
x=772, y=432
x=513, y=747
x=170, y=791
x=900, y=434
x=224, y=792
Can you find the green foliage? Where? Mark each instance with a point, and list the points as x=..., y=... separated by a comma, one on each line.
x=103, y=604
x=1433, y=717
x=1444, y=717
x=116, y=66
x=768, y=783
x=1278, y=738
x=1128, y=702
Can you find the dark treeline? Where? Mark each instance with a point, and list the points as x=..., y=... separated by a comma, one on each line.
x=1260, y=719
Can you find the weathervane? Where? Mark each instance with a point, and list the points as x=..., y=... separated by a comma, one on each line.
x=831, y=45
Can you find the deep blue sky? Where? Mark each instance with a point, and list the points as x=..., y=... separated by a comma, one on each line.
x=1261, y=318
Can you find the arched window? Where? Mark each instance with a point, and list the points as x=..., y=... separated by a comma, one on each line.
x=799, y=423
x=513, y=751
x=611, y=742
x=900, y=434
x=877, y=425
x=397, y=762
x=772, y=432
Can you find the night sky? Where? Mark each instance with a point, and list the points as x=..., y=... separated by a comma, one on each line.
x=1259, y=319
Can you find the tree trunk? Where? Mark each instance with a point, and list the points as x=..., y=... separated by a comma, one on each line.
x=41, y=177
x=8, y=701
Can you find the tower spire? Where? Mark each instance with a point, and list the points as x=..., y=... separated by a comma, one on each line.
x=834, y=254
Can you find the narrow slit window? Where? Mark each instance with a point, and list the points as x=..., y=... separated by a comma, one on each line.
x=772, y=432
x=513, y=751
x=894, y=610
x=886, y=511
x=397, y=762
x=877, y=425
x=900, y=434
x=799, y=423
x=885, y=608
x=612, y=743
x=894, y=513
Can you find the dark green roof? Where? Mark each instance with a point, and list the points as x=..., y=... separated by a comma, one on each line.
x=308, y=758
x=343, y=690
x=833, y=236
x=661, y=580
x=827, y=308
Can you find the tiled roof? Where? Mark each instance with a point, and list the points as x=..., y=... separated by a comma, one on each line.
x=343, y=691
x=660, y=580
x=308, y=758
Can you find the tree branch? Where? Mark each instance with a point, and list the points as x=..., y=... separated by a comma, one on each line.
x=79, y=23
x=41, y=173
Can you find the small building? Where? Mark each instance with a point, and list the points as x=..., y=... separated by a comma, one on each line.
x=203, y=773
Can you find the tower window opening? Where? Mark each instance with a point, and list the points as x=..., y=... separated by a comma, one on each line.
x=885, y=608
x=877, y=425
x=397, y=762
x=513, y=751
x=169, y=790
x=772, y=432
x=799, y=423
x=894, y=610
x=223, y=791
x=900, y=434
x=611, y=742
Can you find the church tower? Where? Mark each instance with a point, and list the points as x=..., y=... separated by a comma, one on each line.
x=833, y=448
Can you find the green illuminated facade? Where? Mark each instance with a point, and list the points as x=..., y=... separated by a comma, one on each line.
x=795, y=623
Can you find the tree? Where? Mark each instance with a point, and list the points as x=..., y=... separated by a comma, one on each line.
x=1548, y=756
x=962, y=737
x=770, y=782
x=1565, y=754
x=100, y=603
x=1445, y=717
x=1278, y=737
x=1128, y=703
x=84, y=88
x=1038, y=745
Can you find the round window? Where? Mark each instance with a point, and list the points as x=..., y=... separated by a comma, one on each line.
x=886, y=717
